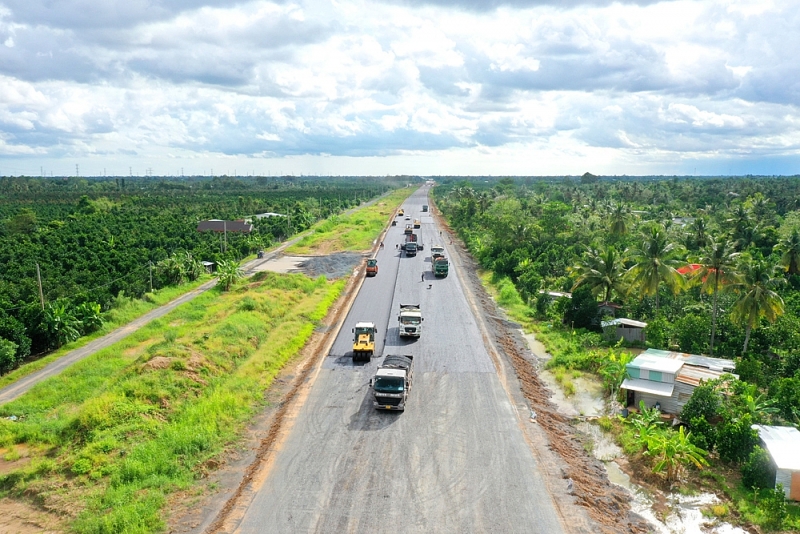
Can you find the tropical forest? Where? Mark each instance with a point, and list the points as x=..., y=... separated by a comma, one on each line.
x=711, y=265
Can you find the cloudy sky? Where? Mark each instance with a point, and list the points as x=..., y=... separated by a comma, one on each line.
x=526, y=87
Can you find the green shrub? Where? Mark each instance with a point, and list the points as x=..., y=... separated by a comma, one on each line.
x=736, y=439
x=758, y=471
x=773, y=503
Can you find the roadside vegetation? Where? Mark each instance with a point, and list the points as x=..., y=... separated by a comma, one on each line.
x=110, y=439
x=710, y=265
x=354, y=231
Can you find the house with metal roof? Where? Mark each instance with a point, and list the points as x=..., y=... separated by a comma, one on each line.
x=667, y=379
x=218, y=225
x=783, y=445
x=623, y=328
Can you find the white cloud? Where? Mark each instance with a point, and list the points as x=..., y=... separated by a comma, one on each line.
x=369, y=85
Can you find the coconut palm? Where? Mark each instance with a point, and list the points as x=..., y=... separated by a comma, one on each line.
x=789, y=247
x=656, y=261
x=602, y=270
x=699, y=233
x=757, y=297
x=717, y=266
x=620, y=216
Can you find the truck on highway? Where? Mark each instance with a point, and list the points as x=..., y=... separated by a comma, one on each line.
x=400, y=212
x=392, y=382
x=410, y=245
x=408, y=230
x=410, y=320
x=416, y=223
x=363, y=341
x=439, y=264
x=372, y=267
x=424, y=207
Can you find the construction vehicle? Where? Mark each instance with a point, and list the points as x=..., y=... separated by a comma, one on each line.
x=363, y=341
x=400, y=212
x=439, y=264
x=392, y=382
x=416, y=223
x=410, y=320
x=424, y=207
x=408, y=230
x=372, y=267
x=411, y=245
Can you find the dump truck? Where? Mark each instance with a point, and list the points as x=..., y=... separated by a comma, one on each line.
x=408, y=230
x=392, y=382
x=410, y=320
x=441, y=267
x=363, y=341
x=416, y=223
x=400, y=212
x=411, y=245
x=439, y=264
x=372, y=267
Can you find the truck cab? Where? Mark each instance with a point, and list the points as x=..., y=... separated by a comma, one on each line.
x=410, y=320
x=416, y=223
x=363, y=341
x=392, y=382
x=400, y=212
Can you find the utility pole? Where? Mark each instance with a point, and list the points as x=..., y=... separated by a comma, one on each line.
x=130, y=170
x=151, y=275
x=76, y=171
x=39, y=279
x=225, y=230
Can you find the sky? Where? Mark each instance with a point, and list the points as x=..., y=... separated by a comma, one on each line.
x=420, y=87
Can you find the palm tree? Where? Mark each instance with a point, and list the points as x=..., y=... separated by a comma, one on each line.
x=699, y=234
x=789, y=247
x=757, y=298
x=620, y=218
x=655, y=262
x=228, y=272
x=717, y=266
x=602, y=270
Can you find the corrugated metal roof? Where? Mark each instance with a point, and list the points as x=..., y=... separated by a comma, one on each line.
x=693, y=359
x=624, y=321
x=652, y=362
x=783, y=444
x=216, y=225
x=648, y=386
x=692, y=375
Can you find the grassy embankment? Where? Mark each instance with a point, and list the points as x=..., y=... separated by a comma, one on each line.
x=125, y=310
x=573, y=351
x=106, y=442
x=356, y=231
x=111, y=437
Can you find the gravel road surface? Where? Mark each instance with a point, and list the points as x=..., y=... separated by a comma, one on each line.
x=455, y=461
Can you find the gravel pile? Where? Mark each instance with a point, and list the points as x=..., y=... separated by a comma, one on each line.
x=331, y=266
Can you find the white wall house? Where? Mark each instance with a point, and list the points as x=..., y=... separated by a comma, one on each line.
x=783, y=445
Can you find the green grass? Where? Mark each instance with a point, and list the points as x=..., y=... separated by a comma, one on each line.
x=125, y=310
x=117, y=433
x=354, y=232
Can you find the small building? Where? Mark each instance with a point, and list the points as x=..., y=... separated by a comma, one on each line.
x=783, y=445
x=666, y=379
x=218, y=225
x=627, y=329
x=209, y=266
